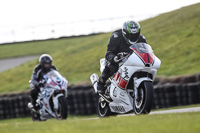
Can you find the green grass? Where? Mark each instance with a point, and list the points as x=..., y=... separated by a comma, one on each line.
x=76, y=59
x=174, y=37
x=165, y=123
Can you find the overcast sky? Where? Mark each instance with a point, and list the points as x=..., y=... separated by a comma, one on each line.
x=36, y=12
x=17, y=14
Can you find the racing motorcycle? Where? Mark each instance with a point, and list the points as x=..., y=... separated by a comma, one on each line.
x=51, y=102
x=130, y=89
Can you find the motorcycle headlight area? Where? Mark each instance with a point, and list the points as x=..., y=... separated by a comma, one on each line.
x=46, y=93
x=56, y=92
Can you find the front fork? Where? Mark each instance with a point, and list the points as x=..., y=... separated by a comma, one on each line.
x=55, y=101
x=136, y=84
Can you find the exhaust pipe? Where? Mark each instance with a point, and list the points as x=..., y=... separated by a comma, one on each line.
x=94, y=79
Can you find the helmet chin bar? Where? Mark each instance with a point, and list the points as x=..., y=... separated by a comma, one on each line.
x=129, y=42
x=132, y=42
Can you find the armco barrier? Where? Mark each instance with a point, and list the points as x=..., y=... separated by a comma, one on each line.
x=82, y=99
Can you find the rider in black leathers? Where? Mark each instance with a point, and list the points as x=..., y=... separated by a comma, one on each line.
x=120, y=41
x=39, y=71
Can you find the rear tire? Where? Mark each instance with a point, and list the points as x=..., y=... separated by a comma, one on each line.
x=62, y=111
x=145, y=92
x=103, y=109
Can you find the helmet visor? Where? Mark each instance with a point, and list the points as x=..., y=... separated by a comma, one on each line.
x=47, y=65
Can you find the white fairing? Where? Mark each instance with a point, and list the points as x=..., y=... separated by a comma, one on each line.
x=54, y=82
x=157, y=63
x=133, y=60
x=94, y=79
x=122, y=101
x=142, y=60
x=102, y=64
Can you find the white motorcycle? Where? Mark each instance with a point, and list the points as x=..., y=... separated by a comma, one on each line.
x=51, y=100
x=131, y=87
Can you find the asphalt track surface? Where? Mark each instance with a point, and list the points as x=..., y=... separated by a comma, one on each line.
x=183, y=110
x=6, y=64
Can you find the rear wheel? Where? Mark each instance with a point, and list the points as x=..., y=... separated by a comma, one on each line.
x=142, y=105
x=62, y=111
x=103, y=109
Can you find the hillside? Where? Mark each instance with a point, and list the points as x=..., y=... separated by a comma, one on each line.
x=174, y=37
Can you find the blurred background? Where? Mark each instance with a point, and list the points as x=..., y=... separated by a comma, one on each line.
x=24, y=20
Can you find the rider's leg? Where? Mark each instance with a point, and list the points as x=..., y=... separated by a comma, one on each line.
x=108, y=72
x=34, y=94
x=102, y=80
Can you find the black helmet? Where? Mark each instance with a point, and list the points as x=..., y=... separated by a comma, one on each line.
x=45, y=59
x=131, y=31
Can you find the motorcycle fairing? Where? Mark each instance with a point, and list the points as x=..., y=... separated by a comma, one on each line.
x=45, y=95
x=122, y=102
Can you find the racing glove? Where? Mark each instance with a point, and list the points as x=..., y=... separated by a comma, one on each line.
x=119, y=57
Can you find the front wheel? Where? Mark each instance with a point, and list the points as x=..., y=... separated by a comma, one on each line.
x=103, y=109
x=142, y=105
x=62, y=111
x=35, y=116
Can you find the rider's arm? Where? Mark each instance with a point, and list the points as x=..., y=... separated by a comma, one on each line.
x=35, y=75
x=112, y=47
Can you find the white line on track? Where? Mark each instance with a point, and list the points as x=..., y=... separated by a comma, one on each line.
x=193, y=109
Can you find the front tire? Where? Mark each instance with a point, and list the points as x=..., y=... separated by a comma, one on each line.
x=35, y=116
x=103, y=109
x=62, y=111
x=145, y=100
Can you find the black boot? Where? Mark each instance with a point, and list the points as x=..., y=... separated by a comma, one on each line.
x=101, y=88
x=101, y=85
x=34, y=95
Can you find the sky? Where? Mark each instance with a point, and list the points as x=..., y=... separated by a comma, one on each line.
x=50, y=17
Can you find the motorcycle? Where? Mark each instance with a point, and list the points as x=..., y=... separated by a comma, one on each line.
x=130, y=89
x=51, y=99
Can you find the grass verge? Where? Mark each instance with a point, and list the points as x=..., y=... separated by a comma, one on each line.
x=165, y=123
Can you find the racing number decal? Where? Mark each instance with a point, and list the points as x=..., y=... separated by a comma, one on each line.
x=121, y=82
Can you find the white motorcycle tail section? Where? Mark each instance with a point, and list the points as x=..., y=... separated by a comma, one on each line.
x=94, y=79
x=102, y=64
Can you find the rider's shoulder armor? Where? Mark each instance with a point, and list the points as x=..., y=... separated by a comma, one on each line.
x=53, y=67
x=142, y=39
x=37, y=68
x=117, y=34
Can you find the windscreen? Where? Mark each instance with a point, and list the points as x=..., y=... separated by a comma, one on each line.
x=142, y=48
x=144, y=51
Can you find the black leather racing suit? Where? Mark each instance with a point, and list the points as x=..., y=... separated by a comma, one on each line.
x=116, y=44
x=37, y=75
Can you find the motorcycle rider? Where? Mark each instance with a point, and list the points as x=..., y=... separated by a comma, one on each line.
x=44, y=66
x=120, y=41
